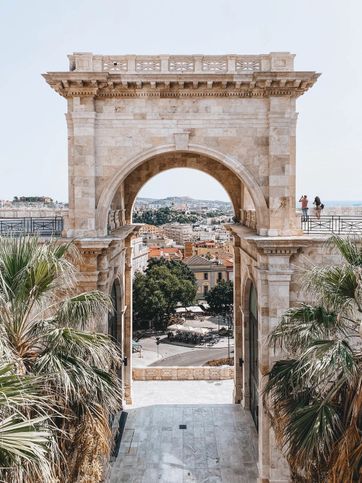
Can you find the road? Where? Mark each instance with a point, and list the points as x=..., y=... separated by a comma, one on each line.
x=194, y=358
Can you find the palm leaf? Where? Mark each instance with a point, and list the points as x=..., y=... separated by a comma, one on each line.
x=81, y=309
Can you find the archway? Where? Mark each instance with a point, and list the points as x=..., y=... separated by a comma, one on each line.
x=206, y=253
x=121, y=191
x=124, y=201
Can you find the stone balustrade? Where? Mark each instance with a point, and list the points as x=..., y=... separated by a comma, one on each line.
x=248, y=218
x=183, y=373
x=115, y=220
x=180, y=64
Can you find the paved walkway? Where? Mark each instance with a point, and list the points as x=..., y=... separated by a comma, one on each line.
x=196, y=358
x=216, y=446
x=149, y=354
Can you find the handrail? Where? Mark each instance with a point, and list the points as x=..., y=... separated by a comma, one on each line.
x=332, y=224
x=41, y=226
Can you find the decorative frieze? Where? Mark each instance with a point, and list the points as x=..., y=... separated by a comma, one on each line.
x=214, y=64
x=181, y=64
x=148, y=65
x=248, y=64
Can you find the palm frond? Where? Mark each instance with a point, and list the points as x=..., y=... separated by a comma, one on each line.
x=310, y=435
x=349, y=247
x=79, y=310
x=304, y=324
x=333, y=286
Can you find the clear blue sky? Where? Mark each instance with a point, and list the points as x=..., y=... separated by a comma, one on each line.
x=36, y=36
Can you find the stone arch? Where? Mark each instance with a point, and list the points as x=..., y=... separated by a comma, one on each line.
x=233, y=165
x=164, y=162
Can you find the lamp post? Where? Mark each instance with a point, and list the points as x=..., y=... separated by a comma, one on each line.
x=157, y=344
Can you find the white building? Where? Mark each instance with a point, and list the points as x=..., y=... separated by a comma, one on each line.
x=178, y=232
x=139, y=255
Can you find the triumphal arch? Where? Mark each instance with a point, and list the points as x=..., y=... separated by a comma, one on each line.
x=233, y=117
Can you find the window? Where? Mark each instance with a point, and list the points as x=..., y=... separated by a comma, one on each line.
x=219, y=276
x=206, y=276
x=206, y=289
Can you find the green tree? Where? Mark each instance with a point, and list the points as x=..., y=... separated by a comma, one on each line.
x=157, y=292
x=163, y=216
x=220, y=298
x=315, y=392
x=70, y=373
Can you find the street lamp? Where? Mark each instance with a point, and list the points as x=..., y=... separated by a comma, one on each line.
x=157, y=344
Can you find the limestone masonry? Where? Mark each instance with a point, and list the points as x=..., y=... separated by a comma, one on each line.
x=233, y=117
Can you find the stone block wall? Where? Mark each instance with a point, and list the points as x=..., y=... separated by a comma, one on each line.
x=182, y=373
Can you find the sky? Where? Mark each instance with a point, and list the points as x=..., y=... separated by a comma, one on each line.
x=37, y=35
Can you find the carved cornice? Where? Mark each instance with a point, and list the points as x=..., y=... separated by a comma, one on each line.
x=172, y=85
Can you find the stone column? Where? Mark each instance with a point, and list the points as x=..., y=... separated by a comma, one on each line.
x=81, y=166
x=127, y=342
x=238, y=326
x=282, y=208
x=274, y=276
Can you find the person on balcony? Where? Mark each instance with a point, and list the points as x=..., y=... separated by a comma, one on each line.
x=318, y=206
x=304, y=200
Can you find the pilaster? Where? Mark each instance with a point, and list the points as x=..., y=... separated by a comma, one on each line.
x=282, y=123
x=238, y=326
x=128, y=329
x=274, y=277
x=81, y=160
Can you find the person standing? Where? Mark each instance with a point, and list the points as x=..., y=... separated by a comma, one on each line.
x=304, y=200
x=318, y=206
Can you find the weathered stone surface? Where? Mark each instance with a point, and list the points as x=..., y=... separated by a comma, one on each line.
x=182, y=374
x=233, y=117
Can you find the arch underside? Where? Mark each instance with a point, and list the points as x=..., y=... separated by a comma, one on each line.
x=163, y=162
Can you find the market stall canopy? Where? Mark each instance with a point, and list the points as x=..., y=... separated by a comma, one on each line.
x=195, y=309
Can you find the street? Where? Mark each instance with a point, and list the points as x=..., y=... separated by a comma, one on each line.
x=193, y=358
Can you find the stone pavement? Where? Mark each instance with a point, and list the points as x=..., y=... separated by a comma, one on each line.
x=216, y=446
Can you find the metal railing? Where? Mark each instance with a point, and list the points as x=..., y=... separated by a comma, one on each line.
x=332, y=224
x=32, y=226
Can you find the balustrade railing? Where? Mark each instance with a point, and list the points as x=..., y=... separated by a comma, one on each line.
x=52, y=226
x=332, y=224
x=181, y=64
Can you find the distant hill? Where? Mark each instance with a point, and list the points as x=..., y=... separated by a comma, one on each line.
x=179, y=200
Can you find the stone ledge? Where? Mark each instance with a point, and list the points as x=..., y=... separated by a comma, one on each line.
x=182, y=373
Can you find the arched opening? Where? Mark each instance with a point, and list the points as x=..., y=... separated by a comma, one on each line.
x=120, y=191
x=119, y=194
x=112, y=316
x=115, y=322
x=253, y=354
x=206, y=252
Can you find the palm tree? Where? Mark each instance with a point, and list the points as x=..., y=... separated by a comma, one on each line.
x=22, y=439
x=42, y=328
x=315, y=393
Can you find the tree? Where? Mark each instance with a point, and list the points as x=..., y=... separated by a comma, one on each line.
x=220, y=298
x=163, y=216
x=157, y=292
x=315, y=392
x=67, y=375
